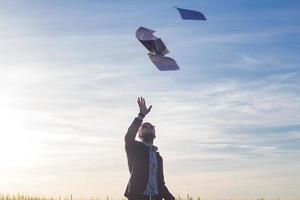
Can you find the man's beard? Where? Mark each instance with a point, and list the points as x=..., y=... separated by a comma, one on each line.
x=148, y=137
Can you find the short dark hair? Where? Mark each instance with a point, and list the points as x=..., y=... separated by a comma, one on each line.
x=144, y=125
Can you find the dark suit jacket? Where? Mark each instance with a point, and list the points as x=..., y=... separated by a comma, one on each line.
x=138, y=164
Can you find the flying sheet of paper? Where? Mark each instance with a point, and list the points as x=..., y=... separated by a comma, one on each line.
x=163, y=63
x=151, y=42
x=143, y=33
x=155, y=46
x=190, y=14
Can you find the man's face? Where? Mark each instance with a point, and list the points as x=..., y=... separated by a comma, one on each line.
x=147, y=131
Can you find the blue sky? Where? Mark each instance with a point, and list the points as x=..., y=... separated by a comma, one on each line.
x=227, y=123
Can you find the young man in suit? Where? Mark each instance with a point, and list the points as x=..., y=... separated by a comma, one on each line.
x=144, y=162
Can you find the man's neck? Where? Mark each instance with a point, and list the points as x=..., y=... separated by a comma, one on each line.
x=149, y=142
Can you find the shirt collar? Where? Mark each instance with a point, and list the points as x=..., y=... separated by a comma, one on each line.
x=151, y=146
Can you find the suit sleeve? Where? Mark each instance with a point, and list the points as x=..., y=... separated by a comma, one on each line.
x=165, y=192
x=130, y=142
x=132, y=130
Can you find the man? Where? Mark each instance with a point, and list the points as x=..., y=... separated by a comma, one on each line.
x=144, y=162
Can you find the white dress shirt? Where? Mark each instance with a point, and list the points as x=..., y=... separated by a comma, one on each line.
x=151, y=187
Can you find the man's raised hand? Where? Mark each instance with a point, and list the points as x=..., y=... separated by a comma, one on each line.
x=142, y=104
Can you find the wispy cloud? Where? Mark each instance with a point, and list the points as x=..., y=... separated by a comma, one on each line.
x=69, y=82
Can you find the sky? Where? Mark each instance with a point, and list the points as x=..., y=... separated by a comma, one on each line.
x=227, y=123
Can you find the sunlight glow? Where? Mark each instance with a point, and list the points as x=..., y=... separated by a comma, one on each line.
x=16, y=149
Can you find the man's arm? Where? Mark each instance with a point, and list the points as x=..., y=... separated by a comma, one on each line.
x=166, y=194
x=130, y=143
x=134, y=127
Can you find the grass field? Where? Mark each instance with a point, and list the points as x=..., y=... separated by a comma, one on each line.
x=28, y=197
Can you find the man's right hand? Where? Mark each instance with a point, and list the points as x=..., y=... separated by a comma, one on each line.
x=142, y=105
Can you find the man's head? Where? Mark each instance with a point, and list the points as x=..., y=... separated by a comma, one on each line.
x=147, y=132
